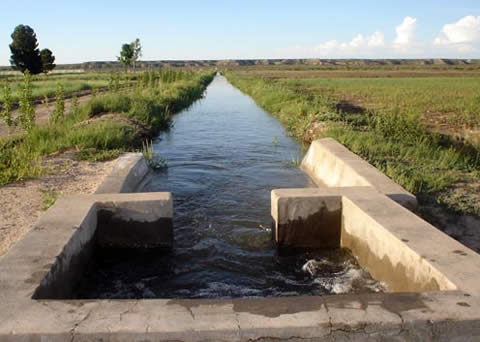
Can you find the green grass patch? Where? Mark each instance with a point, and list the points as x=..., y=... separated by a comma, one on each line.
x=49, y=197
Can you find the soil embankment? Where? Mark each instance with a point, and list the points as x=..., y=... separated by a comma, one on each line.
x=24, y=202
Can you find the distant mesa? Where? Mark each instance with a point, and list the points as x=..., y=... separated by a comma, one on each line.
x=109, y=65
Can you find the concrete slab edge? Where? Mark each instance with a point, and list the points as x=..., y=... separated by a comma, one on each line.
x=129, y=173
x=331, y=164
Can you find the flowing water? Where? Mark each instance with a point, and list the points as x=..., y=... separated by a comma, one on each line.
x=225, y=155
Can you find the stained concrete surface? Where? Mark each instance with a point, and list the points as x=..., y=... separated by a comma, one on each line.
x=393, y=244
x=331, y=164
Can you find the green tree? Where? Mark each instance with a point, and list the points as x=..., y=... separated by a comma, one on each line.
x=126, y=55
x=137, y=52
x=24, y=49
x=48, y=60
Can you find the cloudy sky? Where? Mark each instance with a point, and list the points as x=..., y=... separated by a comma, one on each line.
x=89, y=30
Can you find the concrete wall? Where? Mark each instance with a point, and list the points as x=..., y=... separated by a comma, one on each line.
x=331, y=164
x=378, y=231
x=302, y=219
x=371, y=224
x=144, y=223
x=72, y=226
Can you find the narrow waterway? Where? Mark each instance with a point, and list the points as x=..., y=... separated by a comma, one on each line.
x=225, y=155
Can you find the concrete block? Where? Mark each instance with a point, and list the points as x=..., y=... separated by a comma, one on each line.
x=56, y=253
x=307, y=220
x=331, y=164
x=393, y=244
x=129, y=173
x=140, y=221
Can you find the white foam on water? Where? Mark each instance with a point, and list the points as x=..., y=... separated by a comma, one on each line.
x=346, y=279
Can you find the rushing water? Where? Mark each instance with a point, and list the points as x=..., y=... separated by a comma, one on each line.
x=225, y=155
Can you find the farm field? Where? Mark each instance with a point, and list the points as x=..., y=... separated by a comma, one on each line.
x=445, y=99
x=46, y=85
x=420, y=126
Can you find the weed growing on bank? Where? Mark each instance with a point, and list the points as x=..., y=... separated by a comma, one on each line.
x=154, y=160
x=6, y=111
x=49, y=197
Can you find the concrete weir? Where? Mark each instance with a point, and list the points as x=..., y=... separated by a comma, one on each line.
x=433, y=280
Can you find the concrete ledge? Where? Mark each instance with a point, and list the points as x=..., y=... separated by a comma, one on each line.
x=330, y=163
x=53, y=256
x=128, y=175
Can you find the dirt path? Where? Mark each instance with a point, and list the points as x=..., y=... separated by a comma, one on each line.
x=42, y=114
x=21, y=204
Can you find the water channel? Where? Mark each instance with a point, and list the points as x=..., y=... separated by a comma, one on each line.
x=225, y=155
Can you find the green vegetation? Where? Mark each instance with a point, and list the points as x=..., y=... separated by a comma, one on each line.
x=154, y=160
x=43, y=85
x=103, y=127
x=440, y=100
x=49, y=197
x=59, y=112
x=130, y=53
x=383, y=121
x=25, y=53
x=26, y=110
x=48, y=60
x=6, y=111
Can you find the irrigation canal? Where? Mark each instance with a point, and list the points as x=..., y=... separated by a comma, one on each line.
x=225, y=155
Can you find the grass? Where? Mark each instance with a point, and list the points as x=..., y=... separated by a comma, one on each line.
x=384, y=124
x=154, y=160
x=46, y=85
x=49, y=197
x=139, y=113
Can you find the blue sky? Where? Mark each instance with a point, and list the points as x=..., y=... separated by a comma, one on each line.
x=86, y=30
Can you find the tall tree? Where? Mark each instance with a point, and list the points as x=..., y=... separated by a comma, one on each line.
x=137, y=52
x=48, y=60
x=126, y=55
x=24, y=48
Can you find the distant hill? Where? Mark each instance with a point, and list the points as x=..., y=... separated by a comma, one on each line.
x=109, y=65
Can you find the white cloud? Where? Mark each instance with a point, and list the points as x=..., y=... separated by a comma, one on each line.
x=359, y=45
x=376, y=40
x=463, y=36
x=405, y=32
x=457, y=40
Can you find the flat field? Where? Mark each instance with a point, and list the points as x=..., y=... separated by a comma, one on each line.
x=46, y=85
x=446, y=100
